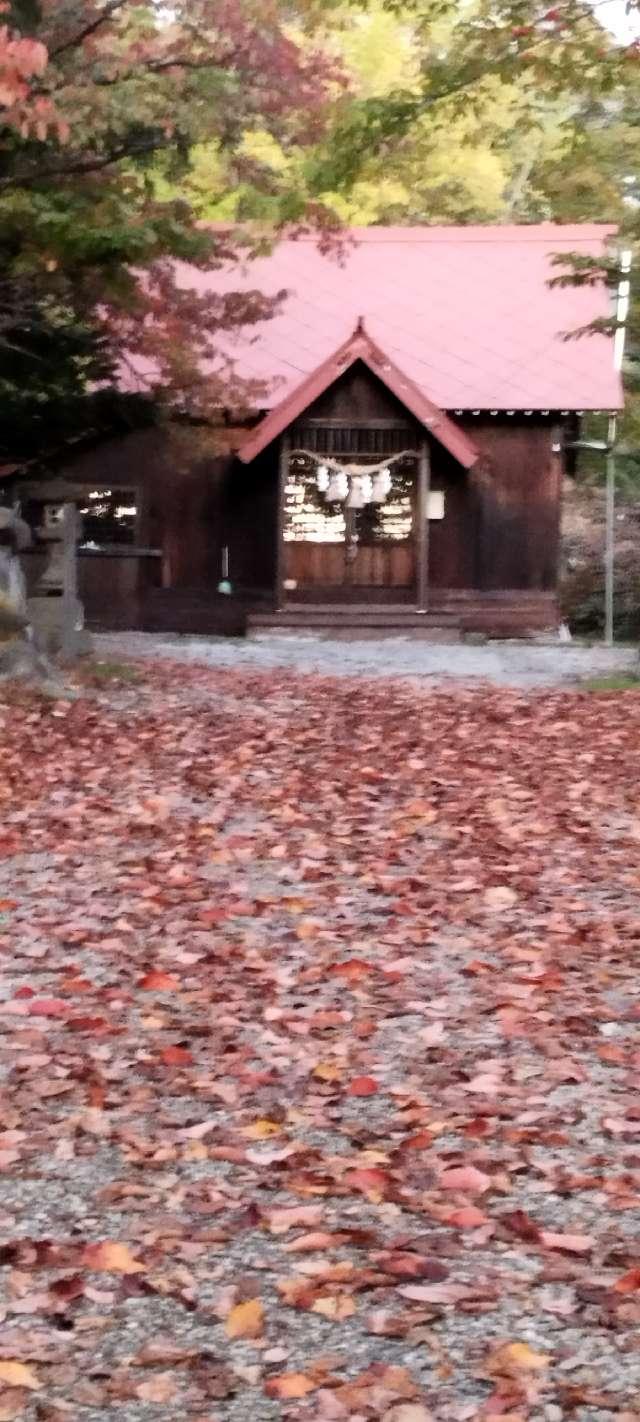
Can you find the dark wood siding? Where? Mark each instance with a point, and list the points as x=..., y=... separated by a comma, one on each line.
x=500, y=531
x=501, y=525
x=518, y=496
x=358, y=396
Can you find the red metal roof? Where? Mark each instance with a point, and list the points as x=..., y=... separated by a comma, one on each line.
x=360, y=347
x=466, y=313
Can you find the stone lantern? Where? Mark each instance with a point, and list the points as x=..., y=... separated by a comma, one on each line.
x=55, y=610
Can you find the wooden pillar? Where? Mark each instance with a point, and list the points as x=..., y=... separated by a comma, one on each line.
x=422, y=541
x=283, y=476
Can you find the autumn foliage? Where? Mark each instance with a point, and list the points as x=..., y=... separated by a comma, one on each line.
x=319, y=1031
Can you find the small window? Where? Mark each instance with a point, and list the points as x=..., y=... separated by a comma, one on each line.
x=108, y=517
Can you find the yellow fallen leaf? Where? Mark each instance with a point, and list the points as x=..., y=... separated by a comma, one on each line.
x=261, y=1130
x=306, y=929
x=112, y=1257
x=513, y=1358
x=246, y=1320
x=327, y=1071
x=334, y=1306
x=16, y=1374
x=195, y=1150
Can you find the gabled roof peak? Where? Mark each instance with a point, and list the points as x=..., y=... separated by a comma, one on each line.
x=359, y=346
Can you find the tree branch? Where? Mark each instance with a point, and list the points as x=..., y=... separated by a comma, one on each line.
x=81, y=167
x=89, y=29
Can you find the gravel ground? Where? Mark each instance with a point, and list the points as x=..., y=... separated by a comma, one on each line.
x=520, y=664
x=272, y=943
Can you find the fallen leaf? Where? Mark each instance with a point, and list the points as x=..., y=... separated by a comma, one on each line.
x=293, y=1217
x=290, y=1385
x=629, y=1283
x=176, y=1056
x=572, y=1243
x=436, y=1293
x=465, y=1178
x=412, y=1266
x=157, y=981
x=327, y=1071
x=161, y=1388
x=15, y=1374
x=511, y=1359
x=246, y=1320
x=362, y=1086
x=370, y=1181
x=469, y=1217
x=49, y=1007
x=112, y=1258
x=431, y=1036
x=408, y=1412
x=336, y=1306
x=501, y=896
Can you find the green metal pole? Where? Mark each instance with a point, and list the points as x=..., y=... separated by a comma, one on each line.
x=610, y=537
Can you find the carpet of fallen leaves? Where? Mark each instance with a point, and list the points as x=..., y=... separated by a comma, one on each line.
x=319, y=1053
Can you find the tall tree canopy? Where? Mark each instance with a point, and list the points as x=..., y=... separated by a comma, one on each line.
x=125, y=123
x=102, y=101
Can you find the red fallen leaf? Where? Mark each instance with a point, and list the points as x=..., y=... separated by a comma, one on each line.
x=156, y=981
x=420, y=1141
x=176, y=1056
x=362, y=1086
x=88, y=1024
x=48, y=1007
x=470, y=1217
x=411, y=1266
x=477, y=1128
x=466, y=1178
x=369, y=1180
x=71, y=1287
x=629, y=1283
x=329, y=1019
x=8, y=905
x=520, y=1224
x=352, y=970
x=212, y=916
x=23, y=993
x=572, y=1243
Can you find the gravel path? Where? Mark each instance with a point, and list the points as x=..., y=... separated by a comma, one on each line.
x=518, y=664
x=319, y=1053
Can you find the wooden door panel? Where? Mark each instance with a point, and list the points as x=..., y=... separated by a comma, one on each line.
x=375, y=565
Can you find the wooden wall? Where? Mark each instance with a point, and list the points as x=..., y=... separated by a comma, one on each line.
x=502, y=523
x=194, y=499
x=501, y=529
